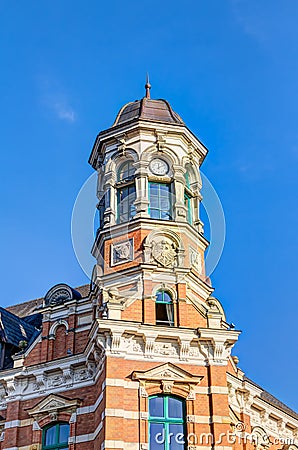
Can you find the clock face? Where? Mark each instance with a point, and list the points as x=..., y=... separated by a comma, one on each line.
x=159, y=166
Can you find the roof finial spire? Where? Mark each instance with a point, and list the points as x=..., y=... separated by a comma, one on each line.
x=147, y=86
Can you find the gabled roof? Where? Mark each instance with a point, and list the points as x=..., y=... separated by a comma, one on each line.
x=13, y=329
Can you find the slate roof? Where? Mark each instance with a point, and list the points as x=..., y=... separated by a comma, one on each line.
x=13, y=329
x=273, y=400
x=31, y=307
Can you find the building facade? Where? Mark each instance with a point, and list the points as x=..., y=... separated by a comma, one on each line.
x=141, y=358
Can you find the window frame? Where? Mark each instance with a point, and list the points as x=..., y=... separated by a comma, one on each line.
x=130, y=204
x=131, y=169
x=159, y=197
x=188, y=204
x=57, y=445
x=165, y=420
x=163, y=302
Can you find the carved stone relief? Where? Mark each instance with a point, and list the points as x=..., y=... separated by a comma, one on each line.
x=164, y=252
x=122, y=252
x=195, y=260
x=166, y=349
x=163, y=247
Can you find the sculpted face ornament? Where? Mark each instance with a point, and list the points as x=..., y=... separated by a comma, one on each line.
x=164, y=252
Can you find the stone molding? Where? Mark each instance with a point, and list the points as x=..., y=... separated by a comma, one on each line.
x=53, y=405
x=245, y=397
x=168, y=379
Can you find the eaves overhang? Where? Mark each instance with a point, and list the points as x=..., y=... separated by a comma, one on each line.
x=118, y=131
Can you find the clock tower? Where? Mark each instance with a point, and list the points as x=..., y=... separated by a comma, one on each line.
x=141, y=359
x=156, y=321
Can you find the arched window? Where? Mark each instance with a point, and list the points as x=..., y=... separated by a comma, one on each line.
x=126, y=171
x=55, y=436
x=164, y=308
x=126, y=192
x=160, y=205
x=188, y=196
x=166, y=423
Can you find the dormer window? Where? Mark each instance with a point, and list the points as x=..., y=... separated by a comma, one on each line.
x=126, y=192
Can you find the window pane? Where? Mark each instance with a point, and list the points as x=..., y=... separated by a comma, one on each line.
x=164, y=204
x=165, y=188
x=132, y=210
x=126, y=197
x=163, y=297
x=51, y=436
x=124, y=193
x=156, y=408
x=165, y=215
x=63, y=433
x=154, y=188
x=167, y=297
x=159, y=296
x=126, y=171
x=154, y=201
x=160, y=202
x=157, y=436
x=175, y=408
x=124, y=206
x=176, y=437
x=154, y=214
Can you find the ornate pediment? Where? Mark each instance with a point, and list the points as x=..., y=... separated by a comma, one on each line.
x=54, y=404
x=167, y=372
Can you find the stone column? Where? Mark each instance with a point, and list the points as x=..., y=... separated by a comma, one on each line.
x=179, y=208
x=196, y=202
x=110, y=193
x=142, y=192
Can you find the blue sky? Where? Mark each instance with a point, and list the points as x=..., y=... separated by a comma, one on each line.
x=230, y=69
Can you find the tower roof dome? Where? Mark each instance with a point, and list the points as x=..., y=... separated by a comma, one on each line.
x=148, y=109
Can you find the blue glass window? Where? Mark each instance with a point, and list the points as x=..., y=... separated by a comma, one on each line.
x=160, y=201
x=126, y=196
x=188, y=205
x=187, y=179
x=166, y=423
x=187, y=197
x=164, y=308
x=55, y=437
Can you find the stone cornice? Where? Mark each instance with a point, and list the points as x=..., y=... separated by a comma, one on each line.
x=114, y=133
x=245, y=396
